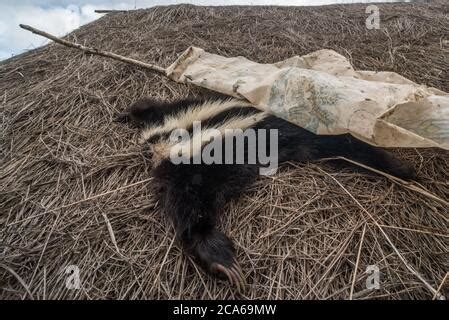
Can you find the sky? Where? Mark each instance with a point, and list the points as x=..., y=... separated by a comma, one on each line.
x=59, y=17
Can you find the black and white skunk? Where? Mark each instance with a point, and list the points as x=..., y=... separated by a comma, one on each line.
x=193, y=194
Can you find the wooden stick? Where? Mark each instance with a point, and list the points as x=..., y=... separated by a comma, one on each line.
x=111, y=55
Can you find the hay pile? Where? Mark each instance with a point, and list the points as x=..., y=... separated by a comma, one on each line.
x=75, y=191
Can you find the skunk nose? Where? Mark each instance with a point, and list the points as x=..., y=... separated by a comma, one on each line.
x=122, y=118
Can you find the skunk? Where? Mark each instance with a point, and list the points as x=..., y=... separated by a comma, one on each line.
x=194, y=193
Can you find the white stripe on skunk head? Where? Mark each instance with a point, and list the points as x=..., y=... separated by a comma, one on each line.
x=184, y=119
x=162, y=147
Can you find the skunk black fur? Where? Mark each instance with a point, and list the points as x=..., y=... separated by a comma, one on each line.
x=193, y=195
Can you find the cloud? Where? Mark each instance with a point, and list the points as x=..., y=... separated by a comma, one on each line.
x=56, y=20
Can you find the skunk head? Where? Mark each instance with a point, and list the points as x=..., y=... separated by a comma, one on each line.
x=144, y=112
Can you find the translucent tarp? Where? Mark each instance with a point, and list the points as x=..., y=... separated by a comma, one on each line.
x=322, y=93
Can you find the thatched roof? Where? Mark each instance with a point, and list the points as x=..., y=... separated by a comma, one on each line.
x=75, y=190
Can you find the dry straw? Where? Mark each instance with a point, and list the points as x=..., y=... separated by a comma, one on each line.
x=75, y=188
